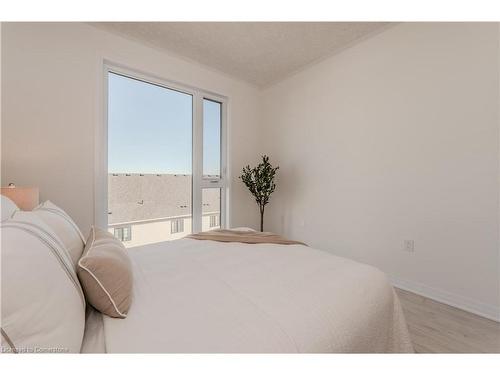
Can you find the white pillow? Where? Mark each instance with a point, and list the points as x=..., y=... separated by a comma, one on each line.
x=64, y=227
x=8, y=208
x=43, y=306
x=31, y=220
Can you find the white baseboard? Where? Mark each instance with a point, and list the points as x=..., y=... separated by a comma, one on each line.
x=464, y=303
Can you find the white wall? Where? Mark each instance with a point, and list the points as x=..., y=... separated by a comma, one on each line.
x=1, y=130
x=397, y=138
x=52, y=86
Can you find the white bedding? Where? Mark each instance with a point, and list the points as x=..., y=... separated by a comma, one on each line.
x=93, y=338
x=205, y=296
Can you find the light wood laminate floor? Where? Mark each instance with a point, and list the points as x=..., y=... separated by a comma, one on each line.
x=438, y=328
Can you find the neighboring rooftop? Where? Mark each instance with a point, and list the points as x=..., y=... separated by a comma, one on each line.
x=138, y=197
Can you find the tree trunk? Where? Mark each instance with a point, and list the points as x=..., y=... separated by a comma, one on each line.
x=262, y=219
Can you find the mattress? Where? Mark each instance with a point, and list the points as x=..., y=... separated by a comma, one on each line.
x=193, y=296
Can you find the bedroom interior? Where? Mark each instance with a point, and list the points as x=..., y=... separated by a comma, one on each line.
x=190, y=187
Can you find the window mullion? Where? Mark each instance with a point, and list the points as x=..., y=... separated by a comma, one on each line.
x=207, y=184
x=197, y=161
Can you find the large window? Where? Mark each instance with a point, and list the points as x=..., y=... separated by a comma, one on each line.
x=165, y=159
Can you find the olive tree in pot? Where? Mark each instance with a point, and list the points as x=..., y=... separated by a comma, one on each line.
x=260, y=181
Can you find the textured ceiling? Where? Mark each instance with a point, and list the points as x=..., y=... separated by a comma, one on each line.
x=257, y=52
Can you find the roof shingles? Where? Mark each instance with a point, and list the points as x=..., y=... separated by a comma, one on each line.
x=138, y=197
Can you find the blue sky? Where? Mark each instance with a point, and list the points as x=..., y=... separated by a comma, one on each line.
x=211, y=137
x=150, y=129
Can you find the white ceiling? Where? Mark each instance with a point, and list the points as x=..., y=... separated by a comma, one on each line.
x=257, y=52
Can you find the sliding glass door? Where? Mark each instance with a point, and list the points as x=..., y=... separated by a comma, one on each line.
x=165, y=160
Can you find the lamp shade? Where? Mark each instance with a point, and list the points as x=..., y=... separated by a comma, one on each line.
x=26, y=198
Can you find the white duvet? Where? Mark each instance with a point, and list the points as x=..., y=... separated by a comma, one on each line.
x=207, y=297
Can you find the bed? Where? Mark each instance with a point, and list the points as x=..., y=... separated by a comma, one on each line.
x=207, y=296
x=193, y=296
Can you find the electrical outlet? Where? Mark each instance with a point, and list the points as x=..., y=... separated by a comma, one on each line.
x=409, y=245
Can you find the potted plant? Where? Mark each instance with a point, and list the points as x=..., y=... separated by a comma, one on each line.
x=260, y=181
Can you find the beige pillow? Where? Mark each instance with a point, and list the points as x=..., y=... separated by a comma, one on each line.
x=105, y=274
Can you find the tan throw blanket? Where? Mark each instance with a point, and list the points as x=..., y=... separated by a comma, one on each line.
x=250, y=237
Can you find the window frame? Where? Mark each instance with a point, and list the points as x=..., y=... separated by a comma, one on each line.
x=122, y=237
x=198, y=181
x=216, y=221
x=215, y=179
x=177, y=223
